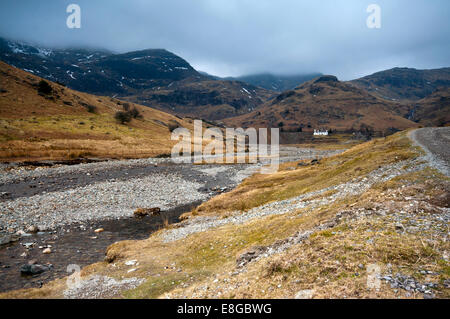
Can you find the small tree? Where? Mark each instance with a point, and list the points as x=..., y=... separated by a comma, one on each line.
x=44, y=88
x=123, y=117
x=91, y=108
x=134, y=112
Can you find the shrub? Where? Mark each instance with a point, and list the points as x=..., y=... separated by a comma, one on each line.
x=44, y=88
x=126, y=107
x=134, y=112
x=123, y=117
x=91, y=108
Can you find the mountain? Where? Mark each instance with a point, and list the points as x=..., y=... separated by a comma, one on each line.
x=98, y=72
x=278, y=83
x=50, y=121
x=325, y=102
x=434, y=110
x=268, y=81
x=156, y=78
x=405, y=83
x=207, y=99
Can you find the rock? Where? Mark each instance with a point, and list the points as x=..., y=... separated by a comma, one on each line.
x=99, y=230
x=4, y=195
x=8, y=239
x=248, y=256
x=33, y=269
x=131, y=262
x=28, y=245
x=141, y=212
x=327, y=78
x=42, y=228
x=32, y=229
x=47, y=251
x=399, y=226
x=20, y=233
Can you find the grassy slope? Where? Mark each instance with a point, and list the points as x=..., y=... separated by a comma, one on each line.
x=36, y=127
x=329, y=262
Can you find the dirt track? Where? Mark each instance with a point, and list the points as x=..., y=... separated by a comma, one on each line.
x=436, y=143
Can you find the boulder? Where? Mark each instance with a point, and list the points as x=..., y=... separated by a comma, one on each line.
x=32, y=229
x=33, y=269
x=6, y=239
x=141, y=212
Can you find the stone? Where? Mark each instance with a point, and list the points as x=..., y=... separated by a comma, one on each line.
x=99, y=230
x=131, y=262
x=28, y=245
x=4, y=195
x=141, y=212
x=33, y=269
x=32, y=229
x=8, y=239
x=47, y=251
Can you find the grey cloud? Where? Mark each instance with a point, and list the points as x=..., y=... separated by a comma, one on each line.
x=233, y=37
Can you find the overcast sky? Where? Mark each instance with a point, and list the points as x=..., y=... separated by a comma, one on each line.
x=235, y=37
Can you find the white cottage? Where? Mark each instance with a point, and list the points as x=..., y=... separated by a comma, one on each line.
x=320, y=132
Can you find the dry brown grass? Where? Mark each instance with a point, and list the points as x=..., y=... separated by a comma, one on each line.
x=61, y=127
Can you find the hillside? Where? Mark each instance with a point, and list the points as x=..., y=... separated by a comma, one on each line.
x=211, y=99
x=434, y=110
x=327, y=103
x=404, y=83
x=278, y=83
x=67, y=124
x=98, y=72
x=154, y=77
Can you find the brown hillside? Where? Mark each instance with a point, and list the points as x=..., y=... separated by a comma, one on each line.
x=69, y=124
x=207, y=99
x=404, y=84
x=326, y=103
x=434, y=110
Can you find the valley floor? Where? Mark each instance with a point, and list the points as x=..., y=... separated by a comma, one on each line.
x=371, y=222
x=68, y=202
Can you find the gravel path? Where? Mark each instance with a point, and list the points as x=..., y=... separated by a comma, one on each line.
x=436, y=143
